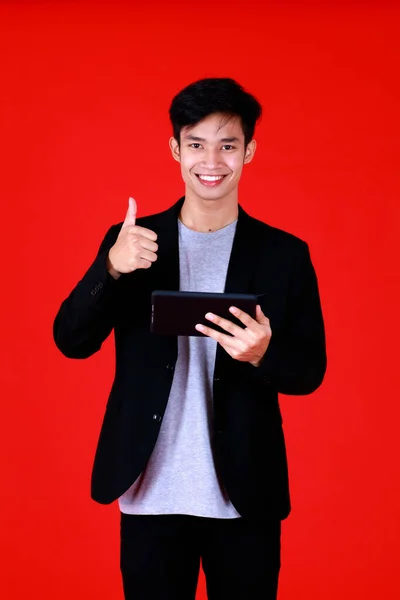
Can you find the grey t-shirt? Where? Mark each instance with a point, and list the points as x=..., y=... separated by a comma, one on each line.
x=181, y=476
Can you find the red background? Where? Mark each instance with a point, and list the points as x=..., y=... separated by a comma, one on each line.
x=85, y=93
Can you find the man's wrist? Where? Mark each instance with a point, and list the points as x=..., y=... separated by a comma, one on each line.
x=113, y=272
x=258, y=362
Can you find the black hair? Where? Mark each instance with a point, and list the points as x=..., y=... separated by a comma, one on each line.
x=214, y=95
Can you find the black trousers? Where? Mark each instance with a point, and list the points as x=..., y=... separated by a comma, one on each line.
x=161, y=554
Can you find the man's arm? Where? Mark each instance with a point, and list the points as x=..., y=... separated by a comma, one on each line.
x=85, y=318
x=295, y=361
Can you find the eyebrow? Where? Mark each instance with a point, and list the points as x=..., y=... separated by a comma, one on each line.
x=227, y=140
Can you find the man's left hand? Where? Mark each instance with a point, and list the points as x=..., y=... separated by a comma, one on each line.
x=246, y=345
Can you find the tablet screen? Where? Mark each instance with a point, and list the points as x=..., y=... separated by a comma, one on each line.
x=177, y=313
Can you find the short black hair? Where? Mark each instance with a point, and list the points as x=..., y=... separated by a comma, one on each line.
x=212, y=95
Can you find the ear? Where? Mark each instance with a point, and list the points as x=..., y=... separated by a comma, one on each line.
x=250, y=151
x=175, y=150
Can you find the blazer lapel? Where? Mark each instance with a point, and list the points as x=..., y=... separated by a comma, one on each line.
x=166, y=273
x=241, y=270
x=243, y=259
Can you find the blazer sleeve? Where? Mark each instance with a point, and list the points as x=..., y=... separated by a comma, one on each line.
x=85, y=318
x=295, y=361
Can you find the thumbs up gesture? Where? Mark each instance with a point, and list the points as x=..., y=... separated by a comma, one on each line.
x=135, y=247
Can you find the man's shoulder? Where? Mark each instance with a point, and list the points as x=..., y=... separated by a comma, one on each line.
x=271, y=235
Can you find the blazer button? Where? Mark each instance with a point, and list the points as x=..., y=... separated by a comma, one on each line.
x=156, y=417
x=170, y=367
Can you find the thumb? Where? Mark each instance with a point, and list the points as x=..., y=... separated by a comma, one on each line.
x=260, y=317
x=130, y=218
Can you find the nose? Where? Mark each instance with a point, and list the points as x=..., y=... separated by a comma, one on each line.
x=211, y=158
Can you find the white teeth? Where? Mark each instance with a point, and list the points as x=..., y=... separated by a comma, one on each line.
x=210, y=177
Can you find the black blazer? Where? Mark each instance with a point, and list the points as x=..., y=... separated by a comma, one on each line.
x=247, y=427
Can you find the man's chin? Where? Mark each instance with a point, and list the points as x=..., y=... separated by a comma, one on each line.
x=208, y=194
x=212, y=197
x=212, y=193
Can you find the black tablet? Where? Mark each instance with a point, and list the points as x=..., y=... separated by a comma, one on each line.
x=177, y=313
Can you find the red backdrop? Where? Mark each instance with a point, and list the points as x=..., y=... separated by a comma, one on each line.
x=85, y=93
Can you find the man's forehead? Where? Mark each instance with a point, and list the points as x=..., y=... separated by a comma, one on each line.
x=224, y=126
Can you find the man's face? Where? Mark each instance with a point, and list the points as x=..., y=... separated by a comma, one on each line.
x=212, y=155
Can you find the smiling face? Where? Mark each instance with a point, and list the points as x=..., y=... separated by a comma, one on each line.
x=212, y=154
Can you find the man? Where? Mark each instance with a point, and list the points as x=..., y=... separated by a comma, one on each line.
x=192, y=444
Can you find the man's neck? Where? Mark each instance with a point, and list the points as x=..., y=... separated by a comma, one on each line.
x=208, y=215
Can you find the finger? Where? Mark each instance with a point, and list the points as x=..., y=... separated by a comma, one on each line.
x=130, y=217
x=147, y=255
x=148, y=244
x=228, y=326
x=221, y=338
x=144, y=264
x=260, y=317
x=145, y=233
x=245, y=318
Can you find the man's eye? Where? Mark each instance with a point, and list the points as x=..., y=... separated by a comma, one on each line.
x=195, y=145
x=227, y=147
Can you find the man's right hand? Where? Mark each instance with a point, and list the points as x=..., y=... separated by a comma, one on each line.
x=135, y=247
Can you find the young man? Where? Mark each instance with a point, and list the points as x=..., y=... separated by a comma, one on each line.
x=192, y=443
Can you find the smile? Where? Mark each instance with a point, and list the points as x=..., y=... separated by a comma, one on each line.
x=210, y=180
